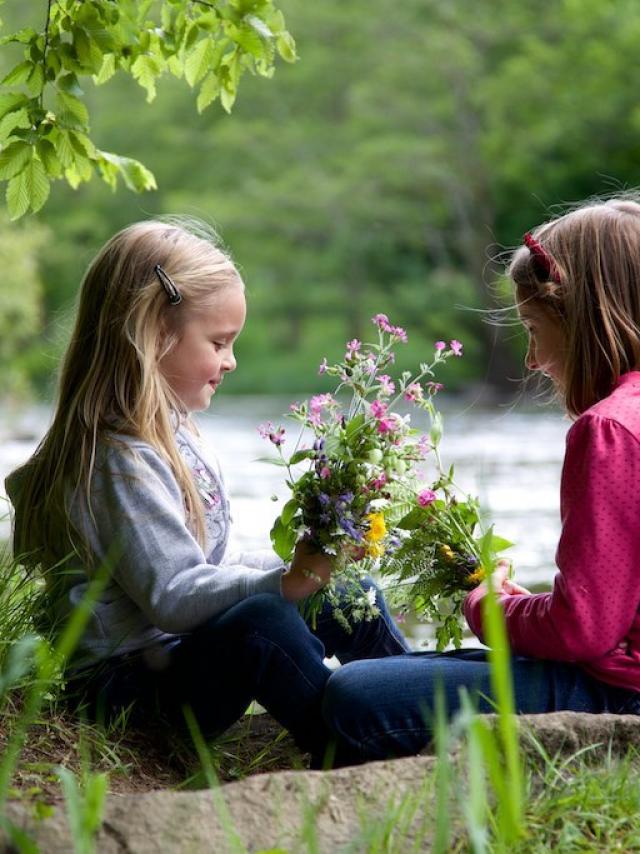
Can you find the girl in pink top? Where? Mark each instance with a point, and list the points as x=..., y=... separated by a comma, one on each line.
x=577, y=288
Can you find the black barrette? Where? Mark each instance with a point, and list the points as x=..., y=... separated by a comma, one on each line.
x=168, y=284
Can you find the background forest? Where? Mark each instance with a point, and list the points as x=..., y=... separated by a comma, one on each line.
x=383, y=172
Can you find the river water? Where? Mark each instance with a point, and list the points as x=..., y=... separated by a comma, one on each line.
x=509, y=457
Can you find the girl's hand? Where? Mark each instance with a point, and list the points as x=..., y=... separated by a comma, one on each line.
x=309, y=571
x=501, y=582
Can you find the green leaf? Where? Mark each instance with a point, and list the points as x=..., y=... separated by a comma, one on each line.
x=136, y=176
x=146, y=70
x=35, y=83
x=47, y=153
x=18, y=119
x=274, y=461
x=14, y=158
x=209, y=91
x=286, y=47
x=354, y=425
x=63, y=147
x=227, y=97
x=283, y=538
x=199, y=61
x=107, y=70
x=298, y=456
x=18, y=199
x=9, y=103
x=73, y=112
x=414, y=519
x=289, y=511
x=259, y=26
x=87, y=50
x=23, y=36
x=69, y=83
x=19, y=74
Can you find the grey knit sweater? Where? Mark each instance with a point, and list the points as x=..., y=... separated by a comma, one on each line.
x=163, y=583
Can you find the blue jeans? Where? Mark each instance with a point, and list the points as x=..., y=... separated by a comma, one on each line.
x=259, y=649
x=382, y=709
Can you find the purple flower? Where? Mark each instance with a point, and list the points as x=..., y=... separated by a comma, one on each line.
x=346, y=498
x=456, y=347
x=426, y=497
x=323, y=366
x=348, y=526
x=424, y=446
x=387, y=385
x=324, y=499
x=440, y=346
x=434, y=387
x=353, y=345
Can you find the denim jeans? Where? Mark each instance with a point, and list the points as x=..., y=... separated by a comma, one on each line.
x=259, y=649
x=382, y=709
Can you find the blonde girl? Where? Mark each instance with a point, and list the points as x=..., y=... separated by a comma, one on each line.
x=577, y=289
x=121, y=476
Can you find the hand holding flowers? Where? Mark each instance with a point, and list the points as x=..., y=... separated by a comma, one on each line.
x=358, y=497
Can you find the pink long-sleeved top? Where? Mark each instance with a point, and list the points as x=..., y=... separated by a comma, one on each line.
x=591, y=616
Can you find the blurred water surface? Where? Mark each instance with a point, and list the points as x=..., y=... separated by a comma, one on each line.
x=511, y=458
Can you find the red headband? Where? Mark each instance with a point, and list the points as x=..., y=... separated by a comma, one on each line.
x=542, y=257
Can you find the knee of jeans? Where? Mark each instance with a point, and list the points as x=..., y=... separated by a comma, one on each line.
x=264, y=608
x=344, y=702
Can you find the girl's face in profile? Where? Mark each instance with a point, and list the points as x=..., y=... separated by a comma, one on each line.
x=195, y=367
x=546, y=351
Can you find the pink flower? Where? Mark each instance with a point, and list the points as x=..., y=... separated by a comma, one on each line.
x=387, y=385
x=413, y=392
x=325, y=472
x=323, y=366
x=382, y=322
x=379, y=482
x=456, y=347
x=426, y=497
x=319, y=401
x=353, y=345
x=434, y=387
x=386, y=425
x=399, y=333
x=277, y=436
x=378, y=408
x=440, y=346
x=265, y=429
x=369, y=365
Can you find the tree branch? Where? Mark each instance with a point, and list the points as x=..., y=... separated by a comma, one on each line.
x=44, y=51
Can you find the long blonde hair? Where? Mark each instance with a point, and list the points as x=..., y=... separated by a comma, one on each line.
x=596, y=252
x=110, y=382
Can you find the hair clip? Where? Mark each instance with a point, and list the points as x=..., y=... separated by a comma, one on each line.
x=542, y=257
x=168, y=284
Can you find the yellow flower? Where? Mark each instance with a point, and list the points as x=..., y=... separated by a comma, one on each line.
x=377, y=528
x=477, y=576
x=447, y=552
x=374, y=550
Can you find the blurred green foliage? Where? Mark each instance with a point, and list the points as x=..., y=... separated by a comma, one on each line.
x=383, y=172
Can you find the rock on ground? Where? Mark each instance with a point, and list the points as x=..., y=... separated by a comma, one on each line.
x=290, y=809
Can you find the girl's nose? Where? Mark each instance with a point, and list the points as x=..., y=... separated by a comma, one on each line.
x=229, y=363
x=530, y=359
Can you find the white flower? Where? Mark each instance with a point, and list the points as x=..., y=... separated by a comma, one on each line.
x=371, y=596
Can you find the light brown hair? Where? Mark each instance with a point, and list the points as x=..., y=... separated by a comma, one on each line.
x=110, y=382
x=596, y=251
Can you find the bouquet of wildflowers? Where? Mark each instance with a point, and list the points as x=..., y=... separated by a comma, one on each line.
x=357, y=492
